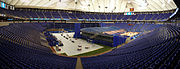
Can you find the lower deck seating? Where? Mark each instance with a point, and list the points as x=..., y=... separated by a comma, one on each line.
x=158, y=49
x=20, y=49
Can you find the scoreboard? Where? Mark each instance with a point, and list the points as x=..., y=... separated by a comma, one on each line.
x=6, y=6
x=129, y=13
x=3, y=5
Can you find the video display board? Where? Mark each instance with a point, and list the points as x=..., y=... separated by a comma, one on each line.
x=129, y=13
x=6, y=6
x=3, y=5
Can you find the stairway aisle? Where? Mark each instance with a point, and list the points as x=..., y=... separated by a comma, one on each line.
x=79, y=64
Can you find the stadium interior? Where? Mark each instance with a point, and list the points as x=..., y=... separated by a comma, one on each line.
x=89, y=34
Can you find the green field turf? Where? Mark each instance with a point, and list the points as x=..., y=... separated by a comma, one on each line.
x=106, y=48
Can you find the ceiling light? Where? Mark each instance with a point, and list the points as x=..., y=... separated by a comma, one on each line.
x=169, y=1
x=27, y=1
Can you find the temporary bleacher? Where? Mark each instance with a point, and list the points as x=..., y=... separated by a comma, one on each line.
x=134, y=27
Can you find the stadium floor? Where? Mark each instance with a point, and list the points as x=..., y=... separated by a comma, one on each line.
x=70, y=48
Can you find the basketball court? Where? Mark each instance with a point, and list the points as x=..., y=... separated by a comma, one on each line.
x=131, y=34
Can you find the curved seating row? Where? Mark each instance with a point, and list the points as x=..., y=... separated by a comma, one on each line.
x=157, y=49
x=83, y=15
x=20, y=48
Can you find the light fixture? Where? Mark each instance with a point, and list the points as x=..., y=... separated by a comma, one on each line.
x=27, y=1
x=169, y=1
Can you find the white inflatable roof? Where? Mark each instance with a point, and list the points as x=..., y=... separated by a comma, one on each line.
x=97, y=5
